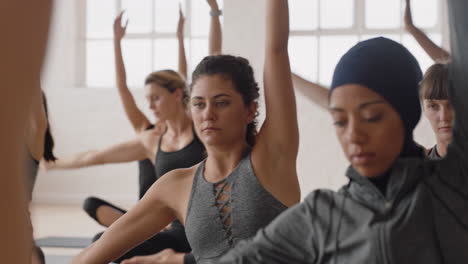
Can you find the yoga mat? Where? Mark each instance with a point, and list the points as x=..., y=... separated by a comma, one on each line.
x=58, y=259
x=64, y=242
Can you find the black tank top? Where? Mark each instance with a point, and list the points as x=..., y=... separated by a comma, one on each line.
x=146, y=177
x=32, y=167
x=186, y=157
x=146, y=173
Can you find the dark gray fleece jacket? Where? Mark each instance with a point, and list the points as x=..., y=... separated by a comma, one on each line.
x=423, y=218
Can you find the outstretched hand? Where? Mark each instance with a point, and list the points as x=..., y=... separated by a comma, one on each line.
x=408, y=15
x=119, y=30
x=180, y=24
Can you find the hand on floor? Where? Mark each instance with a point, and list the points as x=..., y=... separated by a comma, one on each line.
x=167, y=256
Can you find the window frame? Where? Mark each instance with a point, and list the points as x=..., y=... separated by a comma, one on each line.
x=359, y=29
x=81, y=59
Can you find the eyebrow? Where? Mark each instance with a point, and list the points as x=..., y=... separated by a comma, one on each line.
x=215, y=97
x=361, y=106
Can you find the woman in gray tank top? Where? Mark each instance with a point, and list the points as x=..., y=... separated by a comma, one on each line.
x=247, y=178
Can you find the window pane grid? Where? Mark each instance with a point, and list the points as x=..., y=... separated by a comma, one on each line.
x=367, y=19
x=311, y=19
x=149, y=29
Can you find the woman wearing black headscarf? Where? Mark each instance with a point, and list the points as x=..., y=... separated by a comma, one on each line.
x=397, y=207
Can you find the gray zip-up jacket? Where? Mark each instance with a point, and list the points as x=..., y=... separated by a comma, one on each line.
x=423, y=218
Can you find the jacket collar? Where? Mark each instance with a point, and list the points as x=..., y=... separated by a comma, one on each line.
x=404, y=176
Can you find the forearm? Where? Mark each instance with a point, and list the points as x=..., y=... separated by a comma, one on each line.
x=149, y=216
x=277, y=29
x=314, y=92
x=121, y=77
x=134, y=115
x=81, y=160
x=216, y=34
x=120, y=73
x=182, y=58
x=436, y=53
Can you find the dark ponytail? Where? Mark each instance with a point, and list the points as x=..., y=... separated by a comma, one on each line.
x=48, y=140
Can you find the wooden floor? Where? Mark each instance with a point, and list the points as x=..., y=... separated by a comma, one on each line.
x=54, y=220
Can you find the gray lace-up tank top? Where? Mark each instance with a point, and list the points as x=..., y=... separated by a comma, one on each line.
x=221, y=214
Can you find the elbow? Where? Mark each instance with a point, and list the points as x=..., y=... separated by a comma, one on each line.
x=445, y=58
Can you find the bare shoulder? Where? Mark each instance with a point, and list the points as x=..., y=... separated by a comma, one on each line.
x=175, y=188
x=180, y=176
x=150, y=139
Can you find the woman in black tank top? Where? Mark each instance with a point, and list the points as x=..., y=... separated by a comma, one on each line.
x=39, y=145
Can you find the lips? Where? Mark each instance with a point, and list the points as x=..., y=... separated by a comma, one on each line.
x=362, y=158
x=210, y=129
x=445, y=129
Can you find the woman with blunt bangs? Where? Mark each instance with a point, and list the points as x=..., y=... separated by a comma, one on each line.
x=247, y=179
x=434, y=96
x=433, y=92
x=434, y=89
x=398, y=206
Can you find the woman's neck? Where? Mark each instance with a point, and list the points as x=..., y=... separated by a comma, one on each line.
x=441, y=148
x=222, y=160
x=179, y=124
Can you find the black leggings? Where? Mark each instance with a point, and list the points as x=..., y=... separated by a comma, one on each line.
x=173, y=237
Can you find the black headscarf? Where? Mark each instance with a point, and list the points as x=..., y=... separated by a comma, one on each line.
x=389, y=69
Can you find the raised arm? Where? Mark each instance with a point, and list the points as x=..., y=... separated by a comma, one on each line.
x=314, y=92
x=281, y=117
x=134, y=114
x=124, y=152
x=216, y=34
x=180, y=37
x=275, y=152
x=437, y=53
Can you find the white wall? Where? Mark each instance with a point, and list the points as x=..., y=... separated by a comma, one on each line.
x=84, y=118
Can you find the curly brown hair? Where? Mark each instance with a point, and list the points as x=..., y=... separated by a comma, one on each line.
x=239, y=71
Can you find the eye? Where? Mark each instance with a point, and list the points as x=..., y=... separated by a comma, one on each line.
x=199, y=105
x=433, y=106
x=374, y=119
x=339, y=123
x=222, y=103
